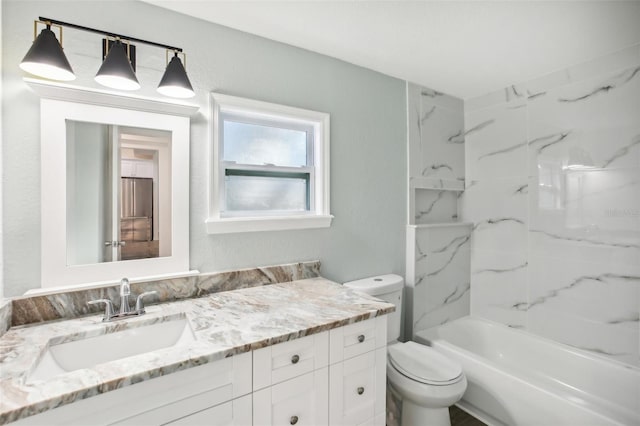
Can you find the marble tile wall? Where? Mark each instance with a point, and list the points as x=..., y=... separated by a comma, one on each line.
x=436, y=154
x=436, y=135
x=40, y=308
x=437, y=244
x=438, y=273
x=553, y=192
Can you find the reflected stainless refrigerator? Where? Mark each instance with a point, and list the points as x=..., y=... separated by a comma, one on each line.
x=136, y=218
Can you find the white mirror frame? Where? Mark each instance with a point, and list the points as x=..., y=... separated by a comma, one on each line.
x=98, y=106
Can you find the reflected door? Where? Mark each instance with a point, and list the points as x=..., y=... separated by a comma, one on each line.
x=91, y=150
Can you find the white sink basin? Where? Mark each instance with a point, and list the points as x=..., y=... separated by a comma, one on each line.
x=88, y=352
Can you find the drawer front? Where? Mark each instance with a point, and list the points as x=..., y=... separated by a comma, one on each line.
x=357, y=338
x=358, y=389
x=281, y=362
x=232, y=413
x=301, y=401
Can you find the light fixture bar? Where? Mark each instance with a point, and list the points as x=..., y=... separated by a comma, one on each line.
x=108, y=33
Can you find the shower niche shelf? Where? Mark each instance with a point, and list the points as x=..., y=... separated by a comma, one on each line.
x=434, y=201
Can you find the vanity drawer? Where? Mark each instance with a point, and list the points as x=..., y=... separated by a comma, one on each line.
x=357, y=338
x=277, y=363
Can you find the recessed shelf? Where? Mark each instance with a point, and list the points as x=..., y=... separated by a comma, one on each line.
x=441, y=225
x=436, y=184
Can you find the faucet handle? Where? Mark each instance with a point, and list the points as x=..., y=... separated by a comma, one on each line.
x=139, y=304
x=108, y=308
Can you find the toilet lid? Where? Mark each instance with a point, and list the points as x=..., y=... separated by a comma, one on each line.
x=423, y=364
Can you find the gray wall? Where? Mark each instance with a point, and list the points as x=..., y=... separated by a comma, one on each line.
x=368, y=137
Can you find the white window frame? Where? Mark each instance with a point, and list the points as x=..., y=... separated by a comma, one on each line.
x=258, y=112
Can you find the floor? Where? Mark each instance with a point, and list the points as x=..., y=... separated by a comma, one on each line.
x=461, y=418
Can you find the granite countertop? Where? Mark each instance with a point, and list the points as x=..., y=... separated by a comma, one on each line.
x=224, y=324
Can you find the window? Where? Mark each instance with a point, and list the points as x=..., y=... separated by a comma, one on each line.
x=269, y=167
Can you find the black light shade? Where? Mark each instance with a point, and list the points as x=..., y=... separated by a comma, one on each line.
x=175, y=82
x=116, y=71
x=46, y=59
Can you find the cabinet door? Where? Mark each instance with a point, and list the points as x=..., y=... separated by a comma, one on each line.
x=301, y=401
x=358, y=389
x=232, y=413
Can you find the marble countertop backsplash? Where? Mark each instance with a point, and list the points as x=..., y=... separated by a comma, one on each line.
x=224, y=324
x=73, y=303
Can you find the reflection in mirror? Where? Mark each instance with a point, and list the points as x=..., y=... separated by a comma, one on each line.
x=118, y=193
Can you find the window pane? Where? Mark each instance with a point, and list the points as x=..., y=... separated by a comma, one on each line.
x=257, y=193
x=256, y=144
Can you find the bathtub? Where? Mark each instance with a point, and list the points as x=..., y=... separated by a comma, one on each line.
x=517, y=378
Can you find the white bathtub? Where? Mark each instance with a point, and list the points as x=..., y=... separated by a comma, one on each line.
x=517, y=378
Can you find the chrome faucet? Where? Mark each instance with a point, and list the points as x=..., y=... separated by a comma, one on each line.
x=125, y=291
x=125, y=309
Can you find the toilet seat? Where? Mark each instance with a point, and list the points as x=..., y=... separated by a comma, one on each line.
x=423, y=364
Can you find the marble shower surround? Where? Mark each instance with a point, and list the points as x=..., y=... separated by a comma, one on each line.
x=440, y=274
x=71, y=304
x=224, y=324
x=437, y=244
x=555, y=248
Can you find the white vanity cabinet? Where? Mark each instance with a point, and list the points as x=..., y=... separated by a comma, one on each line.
x=215, y=387
x=336, y=377
x=333, y=378
x=357, y=374
x=291, y=382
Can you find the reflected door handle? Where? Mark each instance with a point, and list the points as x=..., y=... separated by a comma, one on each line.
x=114, y=243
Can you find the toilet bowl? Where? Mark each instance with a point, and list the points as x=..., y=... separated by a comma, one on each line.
x=426, y=381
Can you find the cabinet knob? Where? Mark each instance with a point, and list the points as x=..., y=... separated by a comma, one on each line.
x=294, y=360
x=360, y=390
x=361, y=338
x=293, y=420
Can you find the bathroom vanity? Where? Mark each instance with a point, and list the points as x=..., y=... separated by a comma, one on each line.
x=306, y=352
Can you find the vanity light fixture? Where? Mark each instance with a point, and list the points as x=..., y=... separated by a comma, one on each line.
x=46, y=59
x=175, y=82
x=116, y=70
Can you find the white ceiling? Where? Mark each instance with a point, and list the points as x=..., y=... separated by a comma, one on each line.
x=464, y=48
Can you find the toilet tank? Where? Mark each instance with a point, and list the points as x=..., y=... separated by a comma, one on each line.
x=388, y=288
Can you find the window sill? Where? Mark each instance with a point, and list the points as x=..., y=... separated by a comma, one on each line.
x=258, y=224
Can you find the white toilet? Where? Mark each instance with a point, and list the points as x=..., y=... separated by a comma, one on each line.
x=427, y=382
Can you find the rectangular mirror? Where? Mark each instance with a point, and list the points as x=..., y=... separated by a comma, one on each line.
x=115, y=191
